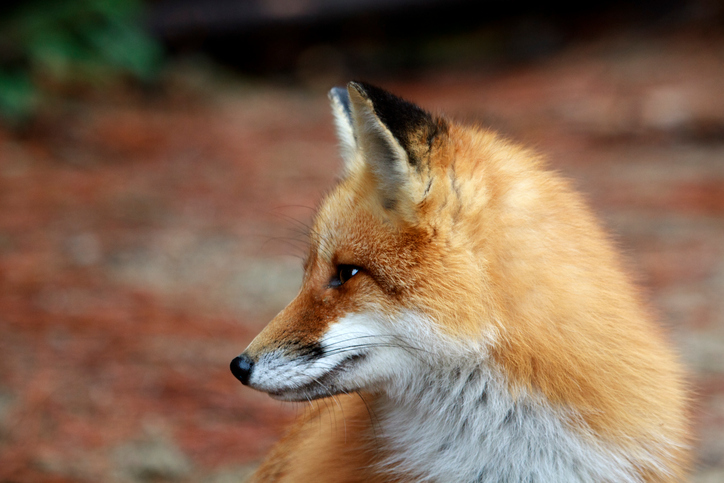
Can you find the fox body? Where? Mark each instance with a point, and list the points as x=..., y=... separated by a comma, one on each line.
x=469, y=319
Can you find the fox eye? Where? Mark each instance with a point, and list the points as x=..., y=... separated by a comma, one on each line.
x=344, y=273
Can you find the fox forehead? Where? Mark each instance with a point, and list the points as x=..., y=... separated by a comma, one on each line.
x=347, y=230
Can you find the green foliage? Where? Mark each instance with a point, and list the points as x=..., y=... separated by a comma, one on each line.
x=67, y=42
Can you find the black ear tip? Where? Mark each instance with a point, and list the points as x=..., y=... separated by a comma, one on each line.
x=385, y=102
x=362, y=88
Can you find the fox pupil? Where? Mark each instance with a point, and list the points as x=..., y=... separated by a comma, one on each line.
x=344, y=273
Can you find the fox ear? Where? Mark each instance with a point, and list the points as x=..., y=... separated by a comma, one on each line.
x=392, y=141
x=342, y=111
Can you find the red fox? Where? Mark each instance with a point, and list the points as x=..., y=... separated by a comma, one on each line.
x=469, y=319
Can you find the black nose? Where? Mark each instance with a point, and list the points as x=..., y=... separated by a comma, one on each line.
x=241, y=368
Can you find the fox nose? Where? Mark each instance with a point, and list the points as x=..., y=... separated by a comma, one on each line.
x=241, y=368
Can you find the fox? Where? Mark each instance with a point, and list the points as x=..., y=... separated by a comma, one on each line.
x=465, y=318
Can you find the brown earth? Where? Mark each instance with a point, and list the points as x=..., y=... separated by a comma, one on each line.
x=144, y=241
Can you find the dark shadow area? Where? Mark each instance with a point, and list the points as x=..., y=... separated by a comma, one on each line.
x=372, y=38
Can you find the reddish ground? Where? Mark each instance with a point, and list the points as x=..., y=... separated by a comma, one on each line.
x=143, y=242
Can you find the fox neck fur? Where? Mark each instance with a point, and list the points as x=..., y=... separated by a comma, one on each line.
x=461, y=423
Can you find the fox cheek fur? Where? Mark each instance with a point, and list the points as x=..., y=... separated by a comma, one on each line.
x=470, y=318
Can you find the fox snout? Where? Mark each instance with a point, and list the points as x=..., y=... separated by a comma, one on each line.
x=297, y=376
x=243, y=366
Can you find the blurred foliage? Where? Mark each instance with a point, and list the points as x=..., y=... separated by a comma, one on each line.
x=65, y=43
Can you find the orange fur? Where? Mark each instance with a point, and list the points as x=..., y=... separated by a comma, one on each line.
x=327, y=445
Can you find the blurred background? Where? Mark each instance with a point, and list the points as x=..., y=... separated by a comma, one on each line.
x=159, y=159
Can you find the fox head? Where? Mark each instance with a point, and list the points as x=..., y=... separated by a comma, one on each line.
x=389, y=277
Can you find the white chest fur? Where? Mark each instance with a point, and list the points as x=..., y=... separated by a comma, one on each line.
x=464, y=426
